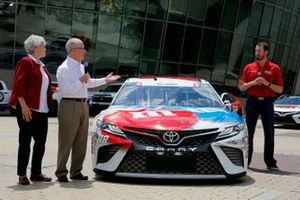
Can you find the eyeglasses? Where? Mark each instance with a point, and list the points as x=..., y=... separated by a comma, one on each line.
x=79, y=48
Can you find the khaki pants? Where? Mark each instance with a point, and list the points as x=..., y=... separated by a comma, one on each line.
x=73, y=119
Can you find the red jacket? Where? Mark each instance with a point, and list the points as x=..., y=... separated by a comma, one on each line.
x=27, y=83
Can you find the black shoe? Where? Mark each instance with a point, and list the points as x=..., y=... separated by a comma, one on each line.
x=40, y=177
x=63, y=179
x=23, y=180
x=80, y=177
x=273, y=168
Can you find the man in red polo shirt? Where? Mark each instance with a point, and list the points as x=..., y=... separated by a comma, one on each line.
x=262, y=80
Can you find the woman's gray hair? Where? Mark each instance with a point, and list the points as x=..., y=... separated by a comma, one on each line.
x=73, y=43
x=33, y=41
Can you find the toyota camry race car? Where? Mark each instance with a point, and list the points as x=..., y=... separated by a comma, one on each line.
x=164, y=127
x=287, y=110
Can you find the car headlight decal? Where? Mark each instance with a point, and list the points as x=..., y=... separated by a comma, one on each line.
x=113, y=129
x=231, y=131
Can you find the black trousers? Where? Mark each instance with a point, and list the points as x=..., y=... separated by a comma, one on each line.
x=265, y=109
x=37, y=129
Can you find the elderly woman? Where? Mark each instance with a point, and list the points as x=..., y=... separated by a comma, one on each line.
x=31, y=96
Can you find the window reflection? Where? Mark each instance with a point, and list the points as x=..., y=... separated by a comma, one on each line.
x=191, y=45
x=7, y=24
x=196, y=12
x=157, y=9
x=30, y=21
x=112, y=6
x=177, y=11
x=152, y=40
x=60, y=3
x=149, y=68
x=6, y=58
x=131, y=40
x=173, y=42
x=87, y=4
x=214, y=6
x=135, y=8
x=168, y=69
x=107, y=43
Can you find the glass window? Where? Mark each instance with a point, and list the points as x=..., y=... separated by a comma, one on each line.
x=285, y=58
x=60, y=3
x=291, y=32
x=87, y=4
x=296, y=38
x=266, y=21
x=177, y=11
x=236, y=52
x=34, y=1
x=168, y=69
x=173, y=42
x=149, y=68
x=289, y=4
x=196, y=12
x=110, y=6
x=157, y=9
x=58, y=29
x=284, y=27
x=153, y=39
x=280, y=3
x=278, y=52
x=248, y=53
x=107, y=45
x=135, y=8
x=6, y=58
x=203, y=72
x=131, y=40
x=187, y=70
x=255, y=19
x=296, y=6
x=243, y=16
x=223, y=49
x=212, y=19
x=229, y=14
x=191, y=46
x=7, y=24
x=208, y=47
x=30, y=20
x=276, y=23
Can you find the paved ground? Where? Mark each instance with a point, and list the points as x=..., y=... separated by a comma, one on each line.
x=259, y=184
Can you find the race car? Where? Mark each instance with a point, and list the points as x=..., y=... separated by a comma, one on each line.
x=169, y=127
x=287, y=110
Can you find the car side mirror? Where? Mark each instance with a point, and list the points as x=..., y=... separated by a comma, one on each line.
x=227, y=105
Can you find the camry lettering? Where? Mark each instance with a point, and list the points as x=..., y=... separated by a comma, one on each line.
x=181, y=149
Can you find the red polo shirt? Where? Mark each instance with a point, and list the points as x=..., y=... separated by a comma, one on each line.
x=270, y=71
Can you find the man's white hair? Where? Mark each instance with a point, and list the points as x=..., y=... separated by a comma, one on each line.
x=73, y=43
x=33, y=41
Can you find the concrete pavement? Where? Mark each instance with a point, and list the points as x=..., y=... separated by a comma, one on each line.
x=259, y=184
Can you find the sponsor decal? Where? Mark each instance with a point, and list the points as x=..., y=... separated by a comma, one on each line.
x=103, y=138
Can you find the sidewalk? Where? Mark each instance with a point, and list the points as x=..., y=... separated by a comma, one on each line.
x=259, y=184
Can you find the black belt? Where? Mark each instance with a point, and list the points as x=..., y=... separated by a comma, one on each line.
x=75, y=99
x=262, y=98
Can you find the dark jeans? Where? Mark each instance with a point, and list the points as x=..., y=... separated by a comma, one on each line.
x=265, y=109
x=37, y=129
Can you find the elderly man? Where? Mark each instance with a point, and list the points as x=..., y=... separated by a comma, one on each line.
x=73, y=113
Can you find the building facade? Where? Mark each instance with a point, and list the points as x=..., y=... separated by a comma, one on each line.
x=210, y=39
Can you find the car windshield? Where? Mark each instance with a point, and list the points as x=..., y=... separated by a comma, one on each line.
x=289, y=100
x=198, y=96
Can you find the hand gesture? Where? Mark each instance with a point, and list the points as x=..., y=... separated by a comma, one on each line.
x=84, y=78
x=110, y=78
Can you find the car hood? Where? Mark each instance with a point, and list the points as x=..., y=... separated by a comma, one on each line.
x=169, y=118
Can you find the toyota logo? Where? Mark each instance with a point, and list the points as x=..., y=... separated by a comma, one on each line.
x=171, y=136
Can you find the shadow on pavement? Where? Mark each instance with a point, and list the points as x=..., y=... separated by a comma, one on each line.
x=276, y=172
x=32, y=186
x=246, y=180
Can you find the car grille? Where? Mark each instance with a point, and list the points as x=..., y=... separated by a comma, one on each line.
x=201, y=163
x=235, y=155
x=191, y=138
x=102, y=99
x=105, y=153
x=284, y=120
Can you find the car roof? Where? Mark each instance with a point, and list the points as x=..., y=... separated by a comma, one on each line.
x=188, y=81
